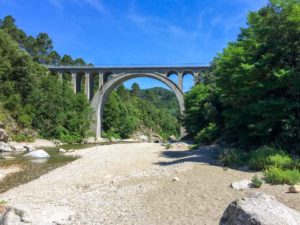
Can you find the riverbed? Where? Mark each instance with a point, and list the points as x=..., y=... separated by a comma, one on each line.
x=136, y=184
x=16, y=169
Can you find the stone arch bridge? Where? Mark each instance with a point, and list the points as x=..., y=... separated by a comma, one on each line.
x=108, y=78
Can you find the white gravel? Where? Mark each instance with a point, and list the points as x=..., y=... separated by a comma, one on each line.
x=133, y=184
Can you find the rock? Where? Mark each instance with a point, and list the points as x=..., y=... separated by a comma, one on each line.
x=259, y=209
x=29, y=148
x=90, y=140
x=294, y=189
x=3, y=135
x=2, y=126
x=61, y=150
x=38, y=154
x=240, y=185
x=9, y=215
x=175, y=179
x=18, y=147
x=143, y=138
x=4, y=147
x=172, y=138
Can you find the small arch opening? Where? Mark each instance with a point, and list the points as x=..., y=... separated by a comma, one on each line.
x=173, y=76
x=188, y=81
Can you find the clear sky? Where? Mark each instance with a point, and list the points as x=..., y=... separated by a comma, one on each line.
x=135, y=32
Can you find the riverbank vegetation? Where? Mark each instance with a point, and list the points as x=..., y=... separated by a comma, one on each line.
x=127, y=111
x=250, y=99
x=37, y=100
x=34, y=98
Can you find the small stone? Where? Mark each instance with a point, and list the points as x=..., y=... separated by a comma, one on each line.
x=61, y=150
x=240, y=185
x=172, y=138
x=294, y=189
x=29, y=148
x=175, y=179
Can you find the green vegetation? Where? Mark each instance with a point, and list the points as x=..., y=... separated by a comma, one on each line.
x=33, y=97
x=256, y=182
x=130, y=110
x=275, y=175
x=251, y=95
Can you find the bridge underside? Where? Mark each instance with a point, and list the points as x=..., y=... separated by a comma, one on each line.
x=105, y=80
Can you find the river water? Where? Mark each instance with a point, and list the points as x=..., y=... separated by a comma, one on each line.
x=31, y=169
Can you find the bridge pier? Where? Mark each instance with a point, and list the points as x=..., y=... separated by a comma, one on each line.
x=101, y=80
x=60, y=77
x=89, y=86
x=180, y=82
x=74, y=82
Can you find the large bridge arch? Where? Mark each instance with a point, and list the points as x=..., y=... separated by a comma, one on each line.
x=101, y=96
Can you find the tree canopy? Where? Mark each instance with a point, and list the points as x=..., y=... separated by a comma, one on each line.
x=257, y=81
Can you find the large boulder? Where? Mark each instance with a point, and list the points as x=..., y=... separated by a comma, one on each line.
x=259, y=209
x=38, y=154
x=4, y=147
x=3, y=135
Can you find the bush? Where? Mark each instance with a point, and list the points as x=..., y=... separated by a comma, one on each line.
x=260, y=158
x=276, y=175
x=233, y=157
x=281, y=161
x=207, y=135
x=256, y=182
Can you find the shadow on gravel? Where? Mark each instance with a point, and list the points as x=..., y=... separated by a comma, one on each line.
x=204, y=154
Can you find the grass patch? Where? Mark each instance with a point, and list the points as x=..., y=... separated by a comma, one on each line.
x=278, y=166
x=275, y=175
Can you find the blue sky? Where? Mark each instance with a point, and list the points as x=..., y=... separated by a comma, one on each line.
x=135, y=32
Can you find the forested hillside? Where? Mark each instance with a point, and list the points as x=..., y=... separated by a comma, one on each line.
x=132, y=110
x=36, y=99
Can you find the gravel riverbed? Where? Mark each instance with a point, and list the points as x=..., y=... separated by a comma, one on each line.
x=135, y=184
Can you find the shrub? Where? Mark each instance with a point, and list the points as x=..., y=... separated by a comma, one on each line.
x=256, y=182
x=281, y=161
x=276, y=175
x=260, y=158
x=207, y=135
x=233, y=157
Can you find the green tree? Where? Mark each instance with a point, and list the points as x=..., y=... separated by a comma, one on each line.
x=135, y=89
x=258, y=77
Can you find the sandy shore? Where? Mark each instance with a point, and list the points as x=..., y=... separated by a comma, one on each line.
x=132, y=184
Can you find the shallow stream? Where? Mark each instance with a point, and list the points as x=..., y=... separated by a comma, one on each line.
x=31, y=169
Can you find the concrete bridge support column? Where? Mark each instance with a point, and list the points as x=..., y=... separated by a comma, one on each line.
x=101, y=80
x=180, y=82
x=60, y=77
x=74, y=82
x=89, y=86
